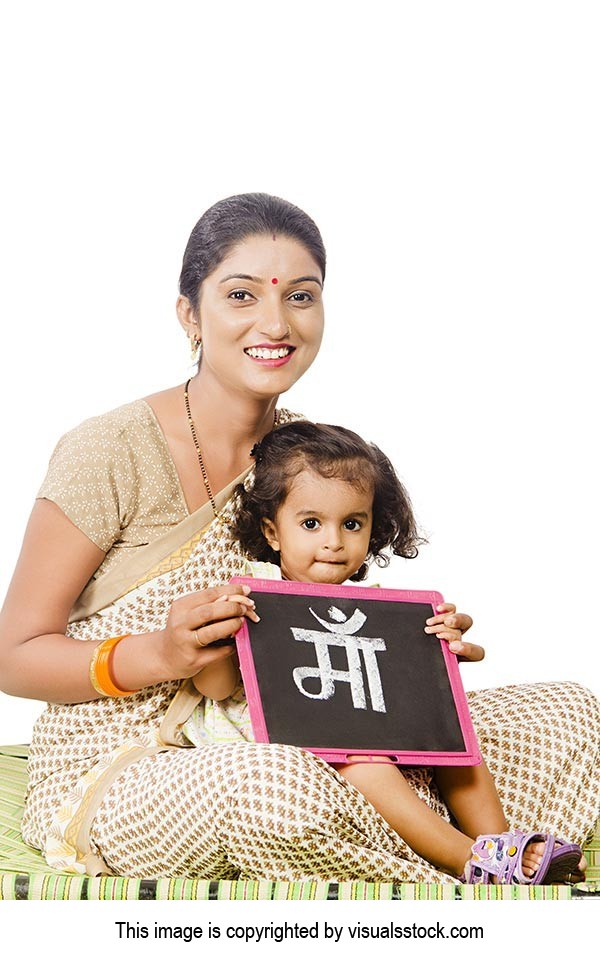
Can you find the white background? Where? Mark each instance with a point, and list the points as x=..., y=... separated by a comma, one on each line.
x=450, y=154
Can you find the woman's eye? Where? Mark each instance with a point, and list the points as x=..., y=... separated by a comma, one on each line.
x=300, y=297
x=240, y=295
x=352, y=524
x=311, y=524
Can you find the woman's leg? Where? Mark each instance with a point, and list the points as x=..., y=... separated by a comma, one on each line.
x=252, y=811
x=261, y=811
x=542, y=745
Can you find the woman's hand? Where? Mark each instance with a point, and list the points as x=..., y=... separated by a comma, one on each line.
x=196, y=621
x=37, y=659
x=451, y=625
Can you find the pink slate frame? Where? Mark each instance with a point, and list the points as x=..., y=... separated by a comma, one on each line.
x=471, y=755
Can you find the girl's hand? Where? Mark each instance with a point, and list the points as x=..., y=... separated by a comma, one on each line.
x=197, y=620
x=450, y=625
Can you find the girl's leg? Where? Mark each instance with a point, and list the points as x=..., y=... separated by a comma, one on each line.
x=426, y=832
x=470, y=794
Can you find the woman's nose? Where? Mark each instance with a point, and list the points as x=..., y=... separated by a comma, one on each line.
x=273, y=322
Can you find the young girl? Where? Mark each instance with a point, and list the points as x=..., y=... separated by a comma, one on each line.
x=322, y=505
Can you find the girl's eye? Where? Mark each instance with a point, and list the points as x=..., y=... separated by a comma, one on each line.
x=311, y=524
x=352, y=525
x=301, y=297
x=240, y=296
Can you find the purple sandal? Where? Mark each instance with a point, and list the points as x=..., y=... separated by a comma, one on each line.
x=502, y=856
x=565, y=859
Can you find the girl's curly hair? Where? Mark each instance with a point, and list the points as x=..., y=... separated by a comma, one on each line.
x=332, y=452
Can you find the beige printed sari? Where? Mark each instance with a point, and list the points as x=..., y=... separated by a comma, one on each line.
x=77, y=750
x=543, y=758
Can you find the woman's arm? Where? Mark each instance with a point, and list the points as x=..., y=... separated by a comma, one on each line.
x=219, y=680
x=38, y=661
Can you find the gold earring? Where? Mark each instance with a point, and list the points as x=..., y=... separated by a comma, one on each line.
x=195, y=346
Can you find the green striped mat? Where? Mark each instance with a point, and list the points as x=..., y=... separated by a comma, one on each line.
x=25, y=875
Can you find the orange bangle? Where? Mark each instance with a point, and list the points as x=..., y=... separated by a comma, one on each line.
x=100, y=669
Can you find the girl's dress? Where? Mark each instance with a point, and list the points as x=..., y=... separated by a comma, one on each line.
x=112, y=787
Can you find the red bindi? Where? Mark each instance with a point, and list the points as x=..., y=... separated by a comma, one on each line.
x=274, y=280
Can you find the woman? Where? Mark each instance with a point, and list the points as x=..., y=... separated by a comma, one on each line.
x=125, y=545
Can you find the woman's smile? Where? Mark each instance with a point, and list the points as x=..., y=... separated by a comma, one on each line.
x=270, y=355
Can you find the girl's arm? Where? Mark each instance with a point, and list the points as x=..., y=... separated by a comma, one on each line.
x=218, y=681
x=451, y=625
x=38, y=661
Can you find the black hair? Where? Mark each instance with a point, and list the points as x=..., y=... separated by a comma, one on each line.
x=232, y=220
x=332, y=452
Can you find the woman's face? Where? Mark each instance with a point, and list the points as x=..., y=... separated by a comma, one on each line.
x=261, y=316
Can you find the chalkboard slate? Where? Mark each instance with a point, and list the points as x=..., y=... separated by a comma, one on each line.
x=343, y=670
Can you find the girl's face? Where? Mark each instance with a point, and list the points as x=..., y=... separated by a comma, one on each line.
x=322, y=529
x=260, y=316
